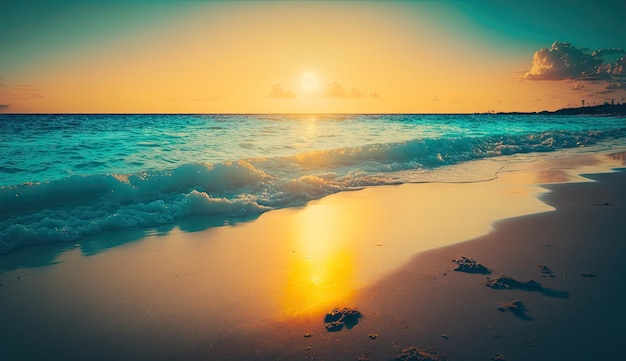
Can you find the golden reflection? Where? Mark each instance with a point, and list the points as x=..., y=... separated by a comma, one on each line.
x=544, y=176
x=311, y=130
x=321, y=270
x=553, y=176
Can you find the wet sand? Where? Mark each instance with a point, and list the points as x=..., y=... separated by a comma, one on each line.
x=255, y=289
x=577, y=314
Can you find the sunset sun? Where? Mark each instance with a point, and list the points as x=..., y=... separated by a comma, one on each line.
x=310, y=82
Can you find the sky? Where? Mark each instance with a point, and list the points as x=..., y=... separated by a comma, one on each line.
x=177, y=56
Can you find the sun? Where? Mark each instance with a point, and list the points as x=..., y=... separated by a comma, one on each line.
x=310, y=82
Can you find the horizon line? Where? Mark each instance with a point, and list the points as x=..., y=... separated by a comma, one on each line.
x=488, y=112
x=234, y=113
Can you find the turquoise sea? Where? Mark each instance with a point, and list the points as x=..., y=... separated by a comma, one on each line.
x=64, y=177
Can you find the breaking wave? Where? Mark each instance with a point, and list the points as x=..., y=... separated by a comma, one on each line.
x=71, y=208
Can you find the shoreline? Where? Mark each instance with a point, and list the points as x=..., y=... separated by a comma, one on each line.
x=211, y=294
x=426, y=304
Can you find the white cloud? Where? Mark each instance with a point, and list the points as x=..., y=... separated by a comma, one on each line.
x=603, y=70
x=565, y=61
x=562, y=61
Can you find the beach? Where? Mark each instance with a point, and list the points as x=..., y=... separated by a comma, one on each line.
x=312, y=180
x=259, y=288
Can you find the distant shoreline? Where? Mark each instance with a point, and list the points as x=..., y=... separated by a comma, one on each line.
x=609, y=110
x=598, y=110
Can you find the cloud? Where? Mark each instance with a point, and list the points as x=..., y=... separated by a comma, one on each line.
x=611, y=51
x=4, y=106
x=277, y=91
x=616, y=68
x=577, y=86
x=26, y=91
x=331, y=90
x=565, y=61
x=562, y=61
x=619, y=67
x=336, y=90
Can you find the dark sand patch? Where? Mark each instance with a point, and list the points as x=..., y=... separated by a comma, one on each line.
x=517, y=308
x=336, y=319
x=506, y=282
x=416, y=354
x=469, y=265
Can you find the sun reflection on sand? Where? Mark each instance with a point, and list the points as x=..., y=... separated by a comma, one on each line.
x=346, y=241
x=321, y=271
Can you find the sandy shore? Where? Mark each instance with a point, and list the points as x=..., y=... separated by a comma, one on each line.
x=577, y=314
x=255, y=289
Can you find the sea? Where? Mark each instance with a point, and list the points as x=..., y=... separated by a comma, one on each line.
x=66, y=177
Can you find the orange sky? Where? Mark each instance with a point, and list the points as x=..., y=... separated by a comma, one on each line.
x=278, y=57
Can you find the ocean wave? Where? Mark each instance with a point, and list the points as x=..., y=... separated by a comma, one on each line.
x=71, y=208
